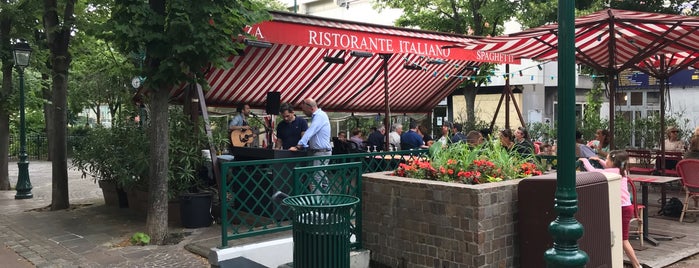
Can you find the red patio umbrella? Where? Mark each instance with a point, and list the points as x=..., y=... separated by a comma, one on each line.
x=662, y=67
x=609, y=41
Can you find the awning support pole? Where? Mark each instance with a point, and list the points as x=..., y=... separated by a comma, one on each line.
x=387, y=120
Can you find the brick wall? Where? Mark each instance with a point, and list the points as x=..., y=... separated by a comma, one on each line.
x=420, y=223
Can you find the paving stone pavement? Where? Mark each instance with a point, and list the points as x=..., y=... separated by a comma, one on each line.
x=90, y=235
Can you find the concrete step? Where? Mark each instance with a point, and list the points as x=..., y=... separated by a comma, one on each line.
x=271, y=253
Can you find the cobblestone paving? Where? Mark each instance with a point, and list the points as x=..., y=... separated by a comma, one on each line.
x=91, y=235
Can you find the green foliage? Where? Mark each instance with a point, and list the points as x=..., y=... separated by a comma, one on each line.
x=622, y=131
x=181, y=40
x=488, y=162
x=120, y=153
x=186, y=142
x=140, y=239
x=591, y=119
x=542, y=132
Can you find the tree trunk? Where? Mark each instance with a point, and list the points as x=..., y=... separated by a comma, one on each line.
x=470, y=92
x=156, y=223
x=5, y=92
x=48, y=112
x=58, y=37
x=157, y=181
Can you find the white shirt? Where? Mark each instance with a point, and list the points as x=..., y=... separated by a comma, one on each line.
x=394, y=138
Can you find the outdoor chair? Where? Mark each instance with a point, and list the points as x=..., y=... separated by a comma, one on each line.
x=638, y=210
x=671, y=160
x=644, y=161
x=689, y=173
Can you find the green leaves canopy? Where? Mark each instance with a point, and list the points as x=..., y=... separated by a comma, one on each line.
x=182, y=39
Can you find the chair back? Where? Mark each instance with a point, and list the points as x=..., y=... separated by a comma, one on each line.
x=644, y=157
x=689, y=171
x=634, y=199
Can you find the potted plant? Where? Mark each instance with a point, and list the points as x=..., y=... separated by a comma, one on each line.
x=116, y=158
x=187, y=169
x=464, y=163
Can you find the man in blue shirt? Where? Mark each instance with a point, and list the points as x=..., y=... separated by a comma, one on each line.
x=291, y=129
x=316, y=140
x=411, y=140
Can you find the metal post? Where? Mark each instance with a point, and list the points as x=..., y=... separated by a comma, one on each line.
x=24, y=186
x=565, y=229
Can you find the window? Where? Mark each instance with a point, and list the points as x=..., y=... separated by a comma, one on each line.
x=636, y=98
x=621, y=99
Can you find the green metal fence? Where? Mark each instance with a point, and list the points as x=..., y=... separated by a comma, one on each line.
x=247, y=208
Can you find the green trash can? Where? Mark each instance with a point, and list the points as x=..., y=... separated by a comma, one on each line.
x=321, y=228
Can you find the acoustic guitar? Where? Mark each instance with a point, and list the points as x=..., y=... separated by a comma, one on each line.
x=240, y=138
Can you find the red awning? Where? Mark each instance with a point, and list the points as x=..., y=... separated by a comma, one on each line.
x=294, y=66
x=636, y=35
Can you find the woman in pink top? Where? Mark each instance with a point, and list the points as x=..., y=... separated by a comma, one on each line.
x=617, y=162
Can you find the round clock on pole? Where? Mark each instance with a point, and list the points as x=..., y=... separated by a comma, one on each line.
x=136, y=82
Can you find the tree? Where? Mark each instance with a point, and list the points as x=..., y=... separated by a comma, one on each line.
x=58, y=35
x=472, y=17
x=16, y=19
x=181, y=41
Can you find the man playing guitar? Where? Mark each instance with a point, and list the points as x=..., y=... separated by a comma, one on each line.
x=241, y=134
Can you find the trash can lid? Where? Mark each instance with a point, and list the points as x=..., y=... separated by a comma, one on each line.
x=320, y=201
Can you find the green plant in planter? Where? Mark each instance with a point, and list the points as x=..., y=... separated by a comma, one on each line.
x=118, y=154
x=186, y=159
x=460, y=162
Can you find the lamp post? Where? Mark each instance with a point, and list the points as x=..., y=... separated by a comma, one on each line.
x=22, y=52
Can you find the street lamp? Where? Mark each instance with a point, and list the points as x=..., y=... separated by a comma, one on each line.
x=22, y=52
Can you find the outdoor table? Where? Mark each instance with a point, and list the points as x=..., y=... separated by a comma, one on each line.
x=646, y=180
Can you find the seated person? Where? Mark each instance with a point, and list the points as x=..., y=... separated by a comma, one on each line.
x=377, y=138
x=546, y=149
x=693, y=150
x=474, y=138
x=523, y=145
x=340, y=144
x=581, y=149
x=411, y=139
x=357, y=138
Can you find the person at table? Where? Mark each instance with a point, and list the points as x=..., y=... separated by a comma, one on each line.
x=673, y=143
x=341, y=145
x=523, y=145
x=581, y=149
x=474, y=138
x=506, y=139
x=342, y=136
x=358, y=139
x=316, y=140
x=693, y=150
x=547, y=149
x=411, y=139
x=617, y=162
x=444, y=139
x=377, y=138
x=458, y=136
x=290, y=129
x=425, y=134
x=601, y=143
x=394, y=136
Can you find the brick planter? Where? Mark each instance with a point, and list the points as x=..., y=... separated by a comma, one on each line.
x=421, y=223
